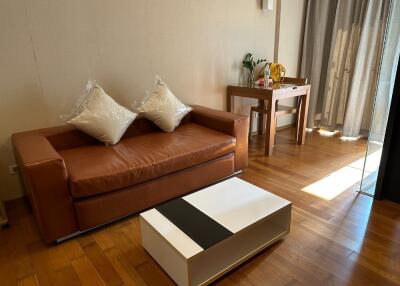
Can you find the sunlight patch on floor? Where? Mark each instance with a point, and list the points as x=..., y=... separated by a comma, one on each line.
x=347, y=138
x=327, y=133
x=341, y=180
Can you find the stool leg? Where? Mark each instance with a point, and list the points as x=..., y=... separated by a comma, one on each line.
x=276, y=124
x=298, y=118
x=265, y=121
x=261, y=119
x=251, y=124
x=276, y=121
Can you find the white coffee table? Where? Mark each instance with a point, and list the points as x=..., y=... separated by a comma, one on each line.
x=199, y=237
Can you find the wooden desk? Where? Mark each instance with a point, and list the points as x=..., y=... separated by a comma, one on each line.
x=272, y=95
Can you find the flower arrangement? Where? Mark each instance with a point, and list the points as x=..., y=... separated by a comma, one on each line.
x=250, y=64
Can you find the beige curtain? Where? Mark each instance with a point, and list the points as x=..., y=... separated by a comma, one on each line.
x=363, y=86
x=343, y=53
x=315, y=52
x=343, y=84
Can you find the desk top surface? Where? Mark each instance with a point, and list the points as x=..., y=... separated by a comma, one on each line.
x=275, y=86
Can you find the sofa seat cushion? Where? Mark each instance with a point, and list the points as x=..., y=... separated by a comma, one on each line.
x=95, y=169
x=99, y=169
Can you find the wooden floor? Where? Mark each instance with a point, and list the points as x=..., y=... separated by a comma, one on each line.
x=348, y=240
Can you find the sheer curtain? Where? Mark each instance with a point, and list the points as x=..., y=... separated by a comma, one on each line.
x=341, y=54
x=387, y=75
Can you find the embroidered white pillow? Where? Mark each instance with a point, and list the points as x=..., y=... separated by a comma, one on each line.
x=101, y=117
x=163, y=108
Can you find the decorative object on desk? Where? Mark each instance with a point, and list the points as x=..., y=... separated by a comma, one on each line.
x=260, y=82
x=277, y=72
x=250, y=64
x=3, y=215
x=267, y=76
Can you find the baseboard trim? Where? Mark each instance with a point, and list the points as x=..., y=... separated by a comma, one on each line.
x=280, y=128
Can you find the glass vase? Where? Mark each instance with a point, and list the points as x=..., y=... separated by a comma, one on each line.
x=250, y=78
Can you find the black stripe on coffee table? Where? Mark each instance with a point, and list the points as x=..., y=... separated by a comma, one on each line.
x=197, y=225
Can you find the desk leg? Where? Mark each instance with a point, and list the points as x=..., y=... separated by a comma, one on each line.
x=229, y=103
x=270, y=128
x=261, y=119
x=301, y=138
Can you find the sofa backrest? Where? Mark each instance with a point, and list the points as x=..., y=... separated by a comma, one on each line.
x=139, y=127
x=67, y=137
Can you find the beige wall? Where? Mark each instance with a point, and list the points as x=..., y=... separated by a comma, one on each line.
x=49, y=49
x=289, y=44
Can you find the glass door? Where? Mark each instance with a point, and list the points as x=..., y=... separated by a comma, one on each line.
x=383, y=99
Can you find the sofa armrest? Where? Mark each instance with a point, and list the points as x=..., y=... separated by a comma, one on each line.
x=63, y=137
x=46, y=182
x=233, y=124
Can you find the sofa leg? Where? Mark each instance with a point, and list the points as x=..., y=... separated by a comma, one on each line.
x=69, y=236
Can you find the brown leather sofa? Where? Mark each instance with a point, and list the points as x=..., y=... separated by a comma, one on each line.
x=75, y=183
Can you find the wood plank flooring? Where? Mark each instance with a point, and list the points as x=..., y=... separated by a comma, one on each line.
x=348, y=240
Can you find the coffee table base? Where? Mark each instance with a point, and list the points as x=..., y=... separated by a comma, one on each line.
x=210, y=264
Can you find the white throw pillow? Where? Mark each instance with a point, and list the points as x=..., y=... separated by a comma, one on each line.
x=163, y=108
x=101, y=117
